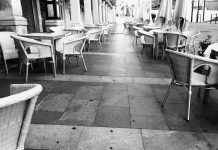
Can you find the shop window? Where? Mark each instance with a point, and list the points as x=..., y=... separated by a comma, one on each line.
x=54, y=9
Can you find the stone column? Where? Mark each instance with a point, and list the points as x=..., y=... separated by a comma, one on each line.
x=88, y=13
x=95, y=11
x=11, y=16
x=103, y=12
x=100, y=11
x=75, y=12
x=114, y=14
x=106, y=13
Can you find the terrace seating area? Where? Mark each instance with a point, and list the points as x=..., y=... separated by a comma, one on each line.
x=119, y=96
x=96, y=78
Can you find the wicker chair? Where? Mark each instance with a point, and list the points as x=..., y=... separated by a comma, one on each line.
x=191, y=41
x=7, y=47
x=15, y=115
x=137, y=36
x=107, y=32
x=71, y=46
x=175, y=41
x=95, y=36
x=182, y=67
x=126, y=26
x=147, y=39
x=32, y=50
x=60, y=30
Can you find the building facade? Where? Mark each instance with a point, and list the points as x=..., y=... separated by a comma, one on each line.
x=26, y=16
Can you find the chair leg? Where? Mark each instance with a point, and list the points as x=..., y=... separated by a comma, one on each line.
x=206, y=96
x=27, y=70
x=167, y=94
x=142, y=49
x=153, y=51
x=84, y=63
x=136, y=41
x=133, y=41
x=63, y=65
x=189, y=101
x=6, y=66
x=54, y=68
x=77, y=63
x=44, y=66
x=100, y=45
x=20, y=67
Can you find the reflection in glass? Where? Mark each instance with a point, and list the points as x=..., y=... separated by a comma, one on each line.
x=50, y=10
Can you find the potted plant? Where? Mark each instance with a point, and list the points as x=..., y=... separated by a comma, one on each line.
x=204, y=44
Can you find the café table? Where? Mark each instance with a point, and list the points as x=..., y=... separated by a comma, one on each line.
x=149, y=28
x=75, y=29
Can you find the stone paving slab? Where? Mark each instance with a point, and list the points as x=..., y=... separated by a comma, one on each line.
x=101, y=138
x=80, y=112
x=111, y=116
x=173, y=140
x=54, y=102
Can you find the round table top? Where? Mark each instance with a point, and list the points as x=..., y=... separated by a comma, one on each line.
x=151, y=27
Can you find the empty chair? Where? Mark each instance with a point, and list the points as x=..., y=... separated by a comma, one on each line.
x=60, y=30
x=71, y=46
x=7, y=47
x=16, y=113
x=32, y=50
x=106, y=32
x=147, y=39
x=95, y=36
x=126, y=26
x=175, y=41
x=191, y=41
x=182, y=66
x=136, y=34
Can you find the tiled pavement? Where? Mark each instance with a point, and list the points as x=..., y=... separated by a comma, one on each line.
x=116, y=104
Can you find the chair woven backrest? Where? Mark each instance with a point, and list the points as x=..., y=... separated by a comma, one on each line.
x=173, y=40
x=95, y=34
x=43, y=50
x=193, y=35
x=15, y=115
x=180, y=65
x=7, y=45
x=74, y=44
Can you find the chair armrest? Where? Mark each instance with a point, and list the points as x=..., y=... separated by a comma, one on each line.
x=211, y=68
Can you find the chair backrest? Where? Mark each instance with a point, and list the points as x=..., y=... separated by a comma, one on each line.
x=126, y=25
x=60, y=30
x=28, y=46
x=173, y=40
x=147, y=38
x=181, y=65
x=192, y=36
x=95, y=34
x=7, y=45
x=16, y=112
x=74, y=43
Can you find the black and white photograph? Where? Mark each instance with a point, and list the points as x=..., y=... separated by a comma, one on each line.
x=108, y=74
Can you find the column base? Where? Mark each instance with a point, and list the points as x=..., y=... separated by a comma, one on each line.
x=16, y=24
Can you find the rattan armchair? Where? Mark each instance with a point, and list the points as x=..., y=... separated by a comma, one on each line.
x=136, y=34
x=183, y=66
x=32, y=50
x=147, y=39
x=191, y=40
x=95, y=36
x=175, y=41
x=7, y=47
x=60, y=30
x=107, y=32
x=16, y=112
x=72, y=46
